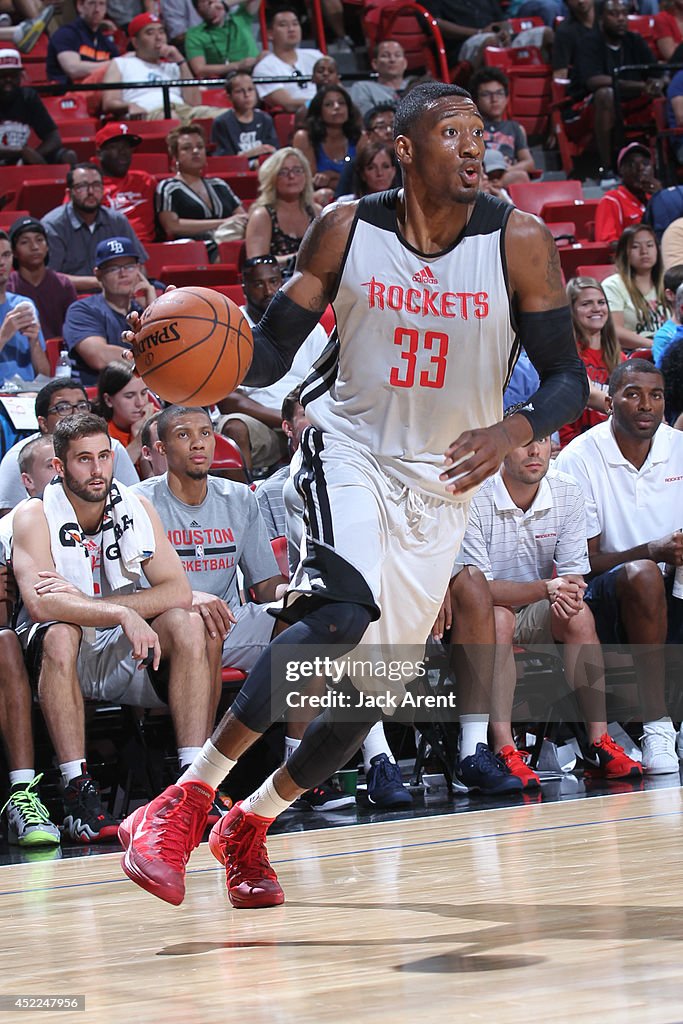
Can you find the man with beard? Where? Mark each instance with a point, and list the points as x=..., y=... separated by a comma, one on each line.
x=90, y=626
x=630, y=469
x=23, y=111
x=75, y=229
x=130, y=192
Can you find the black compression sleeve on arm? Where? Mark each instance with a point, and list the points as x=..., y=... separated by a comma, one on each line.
x=278, y=335
x=549, y=342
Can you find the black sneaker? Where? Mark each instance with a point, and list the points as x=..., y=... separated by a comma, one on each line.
x=328, y=796
x=385, y=785
x=85, y=819
x=487, y=773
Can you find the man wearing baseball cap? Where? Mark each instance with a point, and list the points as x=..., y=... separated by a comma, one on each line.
x=75, y=50
x=154, y=61
x=127, y=191
x=51, y=293
x=626, y=204
x=23, y=111
x=93, y=326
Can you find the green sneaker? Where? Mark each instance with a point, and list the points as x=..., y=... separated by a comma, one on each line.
x=27, y=33
x=28, y=823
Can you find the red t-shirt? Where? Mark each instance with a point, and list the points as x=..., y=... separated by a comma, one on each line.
x=616, y=210
x=667, y=27
x=597, y=374
x=133, y=196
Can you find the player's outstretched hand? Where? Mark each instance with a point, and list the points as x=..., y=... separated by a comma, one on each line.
x=474, y=456
x=215, y=613
x=133, y=318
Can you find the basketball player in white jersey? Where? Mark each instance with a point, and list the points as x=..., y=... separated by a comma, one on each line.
x=434, y=287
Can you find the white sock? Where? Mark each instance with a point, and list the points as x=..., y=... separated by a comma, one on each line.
x=658, y=723
x=21, y=777
x=186, y=755
x=71, y=770
x=375, y=743
x=209, y=766
x=266, y=801
x=473, y=729
x=290, y=746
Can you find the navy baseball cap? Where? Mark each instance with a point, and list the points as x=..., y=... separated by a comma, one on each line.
x=113, y=249
x=25, y=224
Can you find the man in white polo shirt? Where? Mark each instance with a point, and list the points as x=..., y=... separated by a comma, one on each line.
x=525, y=525
x=630, y=469
x=288, y=61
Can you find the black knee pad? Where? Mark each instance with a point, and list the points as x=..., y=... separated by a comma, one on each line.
x=339, y=622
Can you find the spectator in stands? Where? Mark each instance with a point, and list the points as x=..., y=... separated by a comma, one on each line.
x=527, y=533
x=390, y=64
x=251, y=416
x=278, y=218
x=325, y=72
x=22, y=345
x=243, y=130
x=178, y=16
x=626, y=204
x=328, y=141
x=58, y=399
x=591, y=75
x=664, y=335
x=154, y=61
x=630, y=470
x=674, y=111
x=672, y=369
x=378, y=121
x=93, y=327
x=36, y=17
x=28, y=822
x=51, y=293
x=224, y=41
x=76, y=48
x=21, y=112
x=672, y=244
x=130, y=192
x=124, y=401
x=192, y=206
x=75, y=229
x=152, y=461
x=490, y=90
x=668, y=33
x=467, y=28
x=636, y=292
x=596, y=340
x=122, y=12
x=492, y=174
x=70, y=662
x=269, y=492
x=286, y=59
x=571, y=34
x=375, y=168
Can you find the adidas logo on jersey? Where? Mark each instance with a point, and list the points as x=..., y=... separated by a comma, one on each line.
x=425, y=276
x=194, y=523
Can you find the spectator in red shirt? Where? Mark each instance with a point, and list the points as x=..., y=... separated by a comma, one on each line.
x=52, y=293
x=128, y=192
x=625, y=205
x=668, y=33
x=596, y=340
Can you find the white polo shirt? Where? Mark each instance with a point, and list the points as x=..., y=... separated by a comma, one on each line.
x=624, y=505
x=273, y=66
x=507, y=543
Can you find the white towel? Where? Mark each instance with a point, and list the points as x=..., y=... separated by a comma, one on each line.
x=129, y=544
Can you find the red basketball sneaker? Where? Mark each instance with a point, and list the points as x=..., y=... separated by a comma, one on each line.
x=610, y=760
x=159, y=838
x=515, y=761
x=239, y=841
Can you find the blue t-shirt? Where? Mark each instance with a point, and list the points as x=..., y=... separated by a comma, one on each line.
x=87, y=318
x=663, y=339
x=76, y=37
x=675, y=88
x=15, y=356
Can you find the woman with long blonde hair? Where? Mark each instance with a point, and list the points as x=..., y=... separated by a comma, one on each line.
x=598, y=347
x=279, y=217
x=636, y=292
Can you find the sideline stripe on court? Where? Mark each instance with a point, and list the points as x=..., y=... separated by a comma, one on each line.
x=369, y=849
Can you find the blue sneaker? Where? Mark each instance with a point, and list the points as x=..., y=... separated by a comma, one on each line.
x=486, y=772
x=385, y=786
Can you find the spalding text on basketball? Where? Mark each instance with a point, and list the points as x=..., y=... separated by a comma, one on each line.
x=169, y=332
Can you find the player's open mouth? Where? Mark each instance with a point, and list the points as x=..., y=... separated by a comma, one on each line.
x=470, y=174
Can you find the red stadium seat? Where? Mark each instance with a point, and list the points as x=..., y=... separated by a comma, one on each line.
x=644, y=25
x=533, y=195
x=564, y=232
x=597, y=270
x=522, y=24
x=53, y=346
x=220, y=165
x=573, y=137
x=215, y=98
x=284, y=126
x=232, y=252
x=574, y=256
x=12, y=177
x=206, y=276
x=509, y=57
x=244, y=185
x=581, y=211
x=8, y=217
x=234, y=292
x=411, y=25
x=41, y=196
x=153, y=163
x=72, y=106
x=190, y=252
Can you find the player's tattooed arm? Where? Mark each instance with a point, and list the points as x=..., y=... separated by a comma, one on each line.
x=533, y=265
x=319, y=259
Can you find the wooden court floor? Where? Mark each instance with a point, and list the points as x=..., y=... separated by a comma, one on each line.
x=555, y=912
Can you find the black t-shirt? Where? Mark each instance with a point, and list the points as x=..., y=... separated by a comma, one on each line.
x=233, y=137
x=570, y=37
x=470, y=13
x=595, y=58
x=24, y=111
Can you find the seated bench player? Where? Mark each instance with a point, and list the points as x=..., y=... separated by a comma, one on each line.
x=525, y=524
x=28, y=821
x=106, y=614
x=630, y=470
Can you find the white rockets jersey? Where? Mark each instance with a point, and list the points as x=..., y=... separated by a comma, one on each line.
x=425, y=344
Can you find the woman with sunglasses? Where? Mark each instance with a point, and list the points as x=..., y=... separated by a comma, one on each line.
x=279, y=217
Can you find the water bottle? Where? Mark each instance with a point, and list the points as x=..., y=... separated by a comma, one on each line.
x=63, y=367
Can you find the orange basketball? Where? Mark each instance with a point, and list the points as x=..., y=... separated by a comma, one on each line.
x=194, y=346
